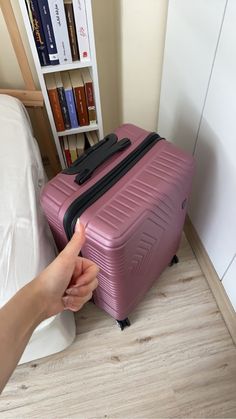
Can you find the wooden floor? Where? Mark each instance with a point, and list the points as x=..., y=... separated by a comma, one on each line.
x=177, y=360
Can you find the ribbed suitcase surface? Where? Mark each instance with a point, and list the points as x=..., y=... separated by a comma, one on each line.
x=133, y=230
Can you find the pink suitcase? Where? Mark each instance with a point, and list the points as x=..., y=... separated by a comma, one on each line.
x=131, y=196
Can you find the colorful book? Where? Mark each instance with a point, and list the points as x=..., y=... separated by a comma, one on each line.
x=72, y=146
x=62, y=100
x=80, y=99
x=80, y=144
x=69, y=99
x=71, y=29
x=48, y=31
x=67, y=151
x=54, y=102
x=81, y=29
x=88, y=85
x=37, y=28
x=58, y=17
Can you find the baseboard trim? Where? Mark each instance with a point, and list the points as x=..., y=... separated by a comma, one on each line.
x=213, y=280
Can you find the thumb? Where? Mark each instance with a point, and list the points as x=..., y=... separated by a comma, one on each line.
x=74, y=246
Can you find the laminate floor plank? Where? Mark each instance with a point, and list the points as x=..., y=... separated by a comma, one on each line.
x=177, y=360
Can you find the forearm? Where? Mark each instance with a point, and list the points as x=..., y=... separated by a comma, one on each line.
x=18, y=319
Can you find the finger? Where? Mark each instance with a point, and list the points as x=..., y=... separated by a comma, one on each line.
x=75, y=303
x=75, y=244
x=85, y=278
x=81, y=268
x=86, y=263
x=82, y=291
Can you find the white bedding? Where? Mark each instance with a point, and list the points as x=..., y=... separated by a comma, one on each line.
x=26, y=244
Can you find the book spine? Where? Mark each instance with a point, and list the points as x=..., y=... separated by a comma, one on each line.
x=67, y=151
x=81, y=29
x=72, y=31
x=73, y=152
x=81, y=106
x=58, y=18
x=63, y=150
x=48, y=31
x=56, y=109
x=64, y=109
x=92, y=116
x=38, y=32
x=90, y=102
x=71, y=108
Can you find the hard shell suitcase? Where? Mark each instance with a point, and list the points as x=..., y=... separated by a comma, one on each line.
x=131, y=195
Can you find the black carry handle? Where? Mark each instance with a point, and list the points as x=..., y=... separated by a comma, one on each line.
x=83, y=161
x=100, y=157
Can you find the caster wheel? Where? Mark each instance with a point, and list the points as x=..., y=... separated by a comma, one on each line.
x=123, y=323
x=174, y=260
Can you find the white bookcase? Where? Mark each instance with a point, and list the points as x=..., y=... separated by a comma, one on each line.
x=42, y=70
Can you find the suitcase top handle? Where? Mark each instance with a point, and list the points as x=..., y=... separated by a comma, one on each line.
x=80, y=204
x=96, y=155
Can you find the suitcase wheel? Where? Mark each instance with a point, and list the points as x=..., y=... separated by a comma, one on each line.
x=174, y=260
x=123, y=323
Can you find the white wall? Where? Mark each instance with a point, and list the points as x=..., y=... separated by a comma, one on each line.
x=198, y=108
x=142, y=36
x=106, y=20
x=191, y=41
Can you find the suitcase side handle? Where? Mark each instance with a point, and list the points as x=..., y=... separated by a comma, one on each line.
x=99, y=158
x=81, y=162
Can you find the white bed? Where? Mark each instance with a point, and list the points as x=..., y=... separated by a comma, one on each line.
x=26, y=243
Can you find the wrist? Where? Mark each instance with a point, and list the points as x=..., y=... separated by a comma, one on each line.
x=34, y=298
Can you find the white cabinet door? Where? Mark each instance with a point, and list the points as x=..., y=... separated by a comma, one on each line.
x=229, y=282
x=213, y=202
x=193, y=28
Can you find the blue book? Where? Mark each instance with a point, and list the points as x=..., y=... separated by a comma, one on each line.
x=37, y=28
x=48, y=31
x=69, y=99
x=71, y=108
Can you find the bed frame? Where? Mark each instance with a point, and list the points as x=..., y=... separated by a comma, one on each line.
x=30, y=96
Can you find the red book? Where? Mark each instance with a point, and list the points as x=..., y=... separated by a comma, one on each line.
x=80, y=98
x=67, y=151
x=54, y=102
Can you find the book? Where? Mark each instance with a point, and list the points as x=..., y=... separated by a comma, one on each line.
x=58, y=17
x=62, y=100
x=80, y=99
x=37, y=28
x=54, y=101
x=95, y=137
x=71, y=29
x=88, y=85
x=81, y=29
x=27, y=3
x=48, y=31
x=92, y=138
x=69, y=99
x=72, y=147
x=62, y=150
x=67, y=151
x=80, y=144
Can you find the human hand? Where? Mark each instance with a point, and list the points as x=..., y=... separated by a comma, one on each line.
x=69, y=281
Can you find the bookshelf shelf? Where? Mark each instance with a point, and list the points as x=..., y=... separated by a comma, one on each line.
x=42, y=71
x=65, y=67
x=86, y=128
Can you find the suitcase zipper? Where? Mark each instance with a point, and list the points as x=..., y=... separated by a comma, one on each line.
x=104, y=184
